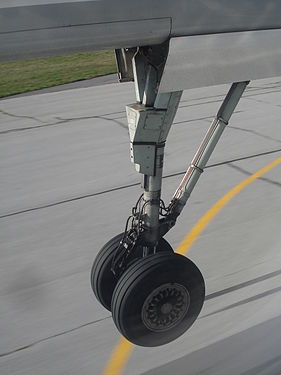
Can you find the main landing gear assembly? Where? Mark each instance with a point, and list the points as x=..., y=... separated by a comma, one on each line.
x=154, y=294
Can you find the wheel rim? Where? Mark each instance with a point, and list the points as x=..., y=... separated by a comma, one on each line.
x=165, y=307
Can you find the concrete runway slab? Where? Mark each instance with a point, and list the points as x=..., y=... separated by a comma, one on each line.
x=67, y=186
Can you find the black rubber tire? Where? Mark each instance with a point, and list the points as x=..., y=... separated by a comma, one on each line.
x=146, y=276
x=103, y=280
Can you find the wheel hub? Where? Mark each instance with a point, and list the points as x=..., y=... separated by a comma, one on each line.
x=165, y=307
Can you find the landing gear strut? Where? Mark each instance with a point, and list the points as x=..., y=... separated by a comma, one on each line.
x=154, y=294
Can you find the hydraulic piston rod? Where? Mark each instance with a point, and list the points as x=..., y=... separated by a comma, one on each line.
x=206, y=149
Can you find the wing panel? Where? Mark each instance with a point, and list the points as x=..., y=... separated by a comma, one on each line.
x=206, y=60
x=82, y=38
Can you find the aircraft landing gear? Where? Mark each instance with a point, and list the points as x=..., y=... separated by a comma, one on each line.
x=104, y=278
x=157, y=299
x=154, y=294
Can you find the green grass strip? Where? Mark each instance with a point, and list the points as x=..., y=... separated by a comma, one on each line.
x=22, y=76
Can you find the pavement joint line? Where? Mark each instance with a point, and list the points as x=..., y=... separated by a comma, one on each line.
x=122, y=351
x=244, y=284
x=119, y=112
x=89, y=117
x=20, y=116
x=249, y=89
x=255, y=133
x=67, y=120
x=61, y=121
x=250, y=95
x=28, y=346
x=91, y=195
x=17, y=130
x=244, y=301
x=245, y=172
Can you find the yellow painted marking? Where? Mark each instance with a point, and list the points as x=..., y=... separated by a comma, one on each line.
x=124, y=348
x=119, y=357
x=216, y=208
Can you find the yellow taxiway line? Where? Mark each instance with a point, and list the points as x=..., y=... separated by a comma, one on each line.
x=123, y=349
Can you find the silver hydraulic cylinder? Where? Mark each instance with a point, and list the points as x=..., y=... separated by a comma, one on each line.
x=207, y=147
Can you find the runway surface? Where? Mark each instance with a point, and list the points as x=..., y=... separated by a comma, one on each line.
x=67, y=186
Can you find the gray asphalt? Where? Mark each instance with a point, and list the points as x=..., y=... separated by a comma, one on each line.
x=67, y=186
